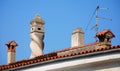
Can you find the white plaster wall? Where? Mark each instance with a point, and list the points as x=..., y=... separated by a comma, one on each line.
x=104, y=67
x=75, y=41
x=11, y=57
x=100, y=63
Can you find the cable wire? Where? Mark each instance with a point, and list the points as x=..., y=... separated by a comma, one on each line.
x=90, y=20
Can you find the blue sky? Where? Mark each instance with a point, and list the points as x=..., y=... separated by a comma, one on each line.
x=61, y=18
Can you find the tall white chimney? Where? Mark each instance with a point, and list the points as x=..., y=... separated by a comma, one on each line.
x=37, y=36
x=11, y=51
x=77, y=37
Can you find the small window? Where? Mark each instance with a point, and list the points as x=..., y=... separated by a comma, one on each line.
x=32, y=28
x=39, y=28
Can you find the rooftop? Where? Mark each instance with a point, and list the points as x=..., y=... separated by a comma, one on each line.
x=79, y=51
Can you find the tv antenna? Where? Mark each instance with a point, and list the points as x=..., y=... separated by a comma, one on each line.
x=97, y=19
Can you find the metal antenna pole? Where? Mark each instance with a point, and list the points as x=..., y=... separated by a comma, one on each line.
x=96, y=22
x=97, y=18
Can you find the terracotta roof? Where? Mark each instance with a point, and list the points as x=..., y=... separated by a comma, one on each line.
x=53, y=55
x=104, y=32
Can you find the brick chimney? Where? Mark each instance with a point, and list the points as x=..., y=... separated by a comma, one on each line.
x=105, y=37
x=77, y=37
x=11, y=51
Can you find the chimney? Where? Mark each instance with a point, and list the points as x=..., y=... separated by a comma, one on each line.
x=77, y=37
x=11, y=51
x=105, y=37
x=37, y=36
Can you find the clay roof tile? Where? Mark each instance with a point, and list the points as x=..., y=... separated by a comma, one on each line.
x=104, y=32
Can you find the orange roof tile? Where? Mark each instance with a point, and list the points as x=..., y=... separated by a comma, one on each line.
x=104, y=32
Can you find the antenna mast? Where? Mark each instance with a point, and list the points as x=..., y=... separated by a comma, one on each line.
x=96, y=26
x=97, y=17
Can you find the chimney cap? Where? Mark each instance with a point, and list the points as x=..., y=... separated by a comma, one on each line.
x=104, y=32
x=77, y=30
x=38, y=19
x=12, y=43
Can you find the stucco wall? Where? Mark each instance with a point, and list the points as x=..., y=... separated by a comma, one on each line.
x=98, y=63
